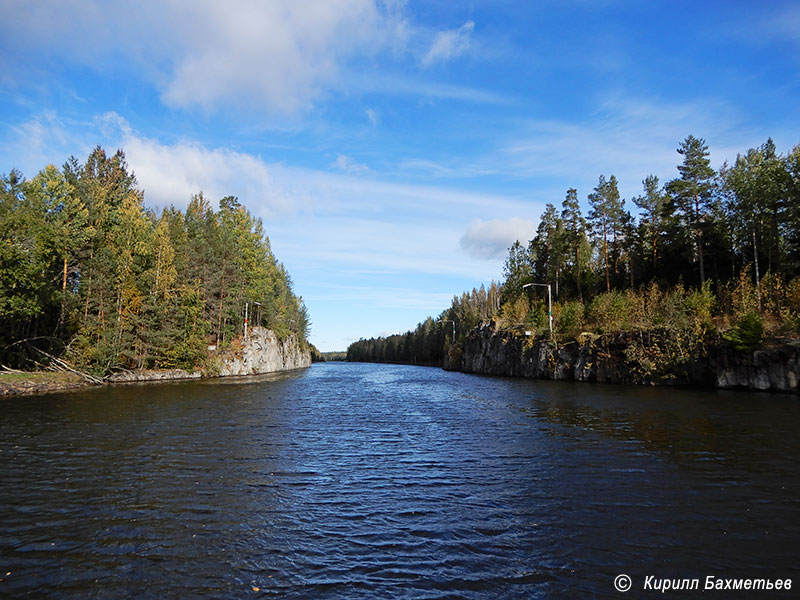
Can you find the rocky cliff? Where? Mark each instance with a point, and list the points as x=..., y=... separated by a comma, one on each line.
x=263, y=352
x=614, y=359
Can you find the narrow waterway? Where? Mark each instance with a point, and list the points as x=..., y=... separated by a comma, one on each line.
x=385, y=481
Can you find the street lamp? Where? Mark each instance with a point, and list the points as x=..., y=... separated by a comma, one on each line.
x=549, y=302
x=454, y=327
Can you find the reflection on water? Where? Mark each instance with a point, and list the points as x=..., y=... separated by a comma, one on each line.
x=380, y=481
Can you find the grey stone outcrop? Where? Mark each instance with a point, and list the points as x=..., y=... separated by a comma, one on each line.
x=603, y=359
x=263, y=352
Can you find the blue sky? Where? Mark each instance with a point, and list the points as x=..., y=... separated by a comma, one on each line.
x=393, y=149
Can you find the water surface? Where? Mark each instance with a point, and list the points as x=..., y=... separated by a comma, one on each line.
x=383, y=481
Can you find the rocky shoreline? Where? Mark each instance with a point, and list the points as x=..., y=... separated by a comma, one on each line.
x=261, y=354
x=29, y=384
x=611, y=358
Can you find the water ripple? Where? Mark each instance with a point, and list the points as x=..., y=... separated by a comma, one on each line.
x=367, y=481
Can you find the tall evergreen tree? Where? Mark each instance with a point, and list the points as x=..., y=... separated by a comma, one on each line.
x=547, y=248
x=575, y=236
x=517, y=271
x=650, y=222
x=690, y=194
x=756, y=187
x=605, y=217
x=791, y=224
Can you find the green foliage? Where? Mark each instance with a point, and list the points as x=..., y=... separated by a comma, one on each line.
x=568, y=318
x=335, y=356
x=548, y=249
x=577, y=249
x=85, y=266
x=514, y=312
x=607, y=217
x=648, y=240
x=699, y=305
x=609, y=312
x=690, y=197
x=789, y=314
x=748, y=334
x=518, y=271
x=742, y=294
x=636, y=277
x=658, y=354
x=432, y=340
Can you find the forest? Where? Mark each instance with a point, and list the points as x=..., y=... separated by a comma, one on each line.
x=712, y=256
x=90, y=276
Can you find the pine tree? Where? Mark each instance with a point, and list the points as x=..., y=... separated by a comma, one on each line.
x=575, y=236
x=79, y=248
x=791, y=221
x=650, y=221
x=548, y=248
x=756, y=186
x=691, y=193
x=28, y=271
x=605, y=217
x=517, y=271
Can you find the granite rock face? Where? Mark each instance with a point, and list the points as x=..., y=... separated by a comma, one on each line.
x=508, y=353
x=773, y=369
x=263, y=352
x=603, y=359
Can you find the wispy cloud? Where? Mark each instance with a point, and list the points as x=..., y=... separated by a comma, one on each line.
x=775, y=22
x=344, y=213
x=449, y=44
x=490, y=240
x=387, y=297
x=629, y=137
x=348, y=165
x=373, y=116
x=284, y=53
x=43, y=139
x=428, y=167
x=427, y=89
x=280, y=55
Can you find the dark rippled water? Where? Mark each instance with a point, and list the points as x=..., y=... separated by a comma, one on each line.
x=367, y=481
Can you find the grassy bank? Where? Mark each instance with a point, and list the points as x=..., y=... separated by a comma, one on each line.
x=37, y=382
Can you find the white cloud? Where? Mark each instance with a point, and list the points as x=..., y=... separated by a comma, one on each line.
x=387, y=297
x=373, y=116
x=491, y=239
x=348, y=165
x=428, y=167
x=286, y=54
x=449, y=44
x=45, y=139
x=280, y=55
x=428, y=90
x=774, y=22
x=629, y=138
x=170, y=173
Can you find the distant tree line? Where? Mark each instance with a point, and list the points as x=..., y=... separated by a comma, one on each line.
x=432, y=339
x=90, y=274
x=708, y=251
